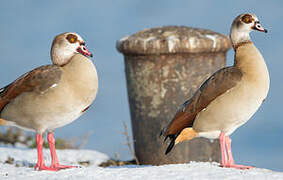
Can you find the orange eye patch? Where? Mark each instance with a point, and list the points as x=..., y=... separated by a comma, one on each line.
x=247, y=18
x=72, y=38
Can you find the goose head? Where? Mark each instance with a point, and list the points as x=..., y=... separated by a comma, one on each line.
x=65, y=46
x=242, y=26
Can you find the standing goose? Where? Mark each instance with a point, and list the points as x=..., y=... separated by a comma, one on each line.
x=52, y=96
x=227, y=99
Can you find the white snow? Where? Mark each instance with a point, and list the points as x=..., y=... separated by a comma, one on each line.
x=213, y=38
x=124, y=38
x=172, y=40
x=193, y=170
x=192, y=42
x=146, y=40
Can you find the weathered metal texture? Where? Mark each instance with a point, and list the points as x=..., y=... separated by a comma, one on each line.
x=173, y=39
x=161, y=75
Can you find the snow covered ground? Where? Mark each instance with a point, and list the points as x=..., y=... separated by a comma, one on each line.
x=23, y=158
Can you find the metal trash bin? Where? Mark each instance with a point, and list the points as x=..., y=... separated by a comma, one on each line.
x=164, y=67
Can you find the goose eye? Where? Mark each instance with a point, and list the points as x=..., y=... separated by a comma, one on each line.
x=247, y=19
x=72, y=38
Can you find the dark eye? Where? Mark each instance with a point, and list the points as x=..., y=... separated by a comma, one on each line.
x=72, y=38
x=247, y=18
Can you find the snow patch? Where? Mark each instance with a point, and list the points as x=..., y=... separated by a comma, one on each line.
x=213, y=38
x=172, y=40
x=65, y=156
x=193, y=170
x=192, y=42
x=119, y=42
x=124, y=38
x=144, y=41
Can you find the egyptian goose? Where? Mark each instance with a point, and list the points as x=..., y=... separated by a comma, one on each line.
x=52, y=96
x=227, y=99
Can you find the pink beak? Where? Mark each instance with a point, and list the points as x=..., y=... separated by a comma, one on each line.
x=84, y=51
x=257, y=26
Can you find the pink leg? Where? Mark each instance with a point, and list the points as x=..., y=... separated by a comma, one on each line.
x=229, y=150
x=55, y=163
x=40, y=165
x=230, y=161
x=223, y=149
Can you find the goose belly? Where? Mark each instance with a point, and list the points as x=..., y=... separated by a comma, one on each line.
x=55, y=108
x=229, y=111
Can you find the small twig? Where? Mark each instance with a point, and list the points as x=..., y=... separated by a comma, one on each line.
x=15, y=135
x=80, y=141
x=84, y=140
x=117, y=156
x=126, y=133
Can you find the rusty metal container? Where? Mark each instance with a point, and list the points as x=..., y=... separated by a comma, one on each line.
x=164, y=67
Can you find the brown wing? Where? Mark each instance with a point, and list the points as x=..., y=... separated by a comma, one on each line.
x=221, y=81
x=39, y=79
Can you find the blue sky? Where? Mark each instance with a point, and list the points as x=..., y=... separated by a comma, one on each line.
x=28, y=28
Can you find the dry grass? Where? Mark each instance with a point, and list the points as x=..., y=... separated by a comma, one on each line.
x=128, y=142
x=15, y=136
